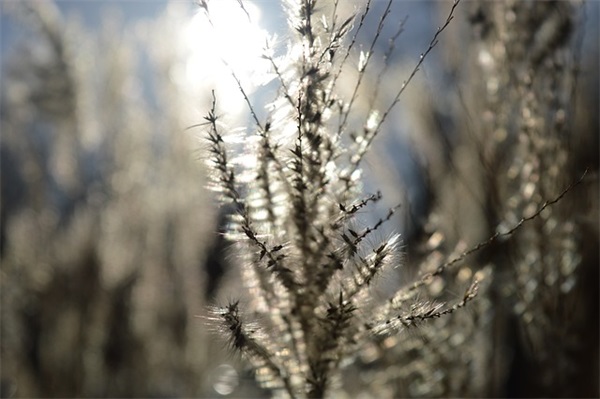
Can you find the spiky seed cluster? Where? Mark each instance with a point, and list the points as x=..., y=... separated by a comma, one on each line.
x=308, y=265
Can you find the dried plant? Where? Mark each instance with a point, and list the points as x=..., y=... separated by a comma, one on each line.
x=105, y=229
x=310, y=266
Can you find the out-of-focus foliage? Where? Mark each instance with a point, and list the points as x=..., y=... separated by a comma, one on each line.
x=105, y=223
x=518, y=125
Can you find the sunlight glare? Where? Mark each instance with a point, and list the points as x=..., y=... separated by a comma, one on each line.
x=226, y=39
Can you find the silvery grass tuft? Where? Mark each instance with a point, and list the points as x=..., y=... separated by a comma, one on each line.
x=296, y=195
x=307, y=263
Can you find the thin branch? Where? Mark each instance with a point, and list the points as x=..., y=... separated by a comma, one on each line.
x=369, y=137
x=386, y=57
x=350, y=46
x=363, y=67
x=443, y=267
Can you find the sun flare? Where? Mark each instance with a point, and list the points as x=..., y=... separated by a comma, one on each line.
x=222, y=39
